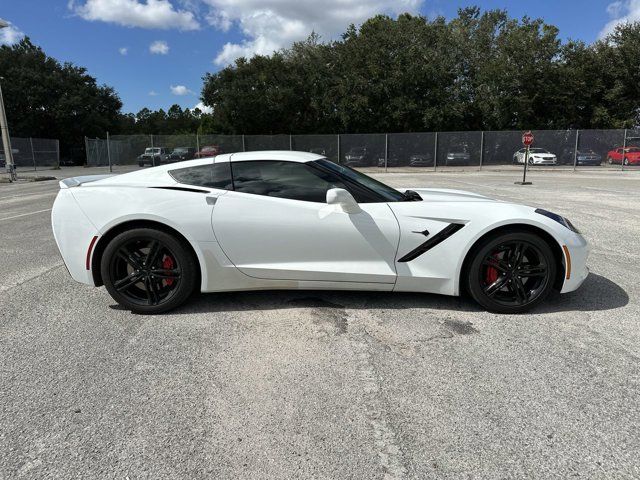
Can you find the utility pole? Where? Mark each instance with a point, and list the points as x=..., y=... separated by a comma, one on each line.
x=6, y=140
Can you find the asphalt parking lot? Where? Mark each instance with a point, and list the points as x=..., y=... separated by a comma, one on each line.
x=325, y=385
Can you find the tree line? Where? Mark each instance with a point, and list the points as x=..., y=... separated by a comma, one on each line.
x=479, y=71
x=482, y=70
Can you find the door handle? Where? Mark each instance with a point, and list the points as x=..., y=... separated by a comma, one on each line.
x=212, y=200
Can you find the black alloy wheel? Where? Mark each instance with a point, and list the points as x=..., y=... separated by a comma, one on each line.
x=148, y=271
x=511, y=273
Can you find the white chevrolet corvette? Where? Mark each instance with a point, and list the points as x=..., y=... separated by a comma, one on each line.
x=293, y=220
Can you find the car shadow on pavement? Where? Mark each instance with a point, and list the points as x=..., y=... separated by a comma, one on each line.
x=597, y=293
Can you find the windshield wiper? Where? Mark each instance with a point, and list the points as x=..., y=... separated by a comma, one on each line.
x=411, y=196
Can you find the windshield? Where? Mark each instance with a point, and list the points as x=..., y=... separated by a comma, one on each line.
x=538, y=150
x=151, y=150
x=387, y=193
x=179, y=150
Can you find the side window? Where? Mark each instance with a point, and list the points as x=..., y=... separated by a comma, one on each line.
x=217, y=175
x=292, y=180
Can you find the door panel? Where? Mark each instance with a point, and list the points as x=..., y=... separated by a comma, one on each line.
x=277, y=238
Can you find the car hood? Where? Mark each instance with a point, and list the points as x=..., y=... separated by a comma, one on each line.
x=447, y=195
x=456, y=206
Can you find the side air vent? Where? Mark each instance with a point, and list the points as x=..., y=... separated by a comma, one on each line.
x=438, y=238
x=183, y=189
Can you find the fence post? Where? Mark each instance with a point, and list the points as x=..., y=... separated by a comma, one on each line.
x=435, y=154
x=153, y=155
x=109, y=153
x=624, y=150
x=33, y=154
x=243, y=146
x=338, y=136
x=58, y=152
x=481, y=149
x=290, y=142
x=86, y=150
x=197, y=144
x=386, y=151
x=575, y=150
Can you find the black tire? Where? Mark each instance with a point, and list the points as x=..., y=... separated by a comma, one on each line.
x=610, y=160
x=530, y=161
x=141, y=164
x=626, y=162
x=496, y=272
x=148, y=271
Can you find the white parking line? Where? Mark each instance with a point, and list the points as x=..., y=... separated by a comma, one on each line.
x=25, y=214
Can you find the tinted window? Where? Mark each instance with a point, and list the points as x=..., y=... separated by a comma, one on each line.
x=364, y=188
x=292, y=180
x=217, y=175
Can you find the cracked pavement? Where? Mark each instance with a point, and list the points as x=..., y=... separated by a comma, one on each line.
x=331, y=385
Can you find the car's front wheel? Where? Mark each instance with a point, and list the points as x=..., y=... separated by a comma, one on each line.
x=511, y=272
x=148, y=271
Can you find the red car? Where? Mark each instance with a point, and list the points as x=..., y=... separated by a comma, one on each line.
x=209, y=151
x=631, y=156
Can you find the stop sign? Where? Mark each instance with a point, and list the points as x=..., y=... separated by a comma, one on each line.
x=527, y=138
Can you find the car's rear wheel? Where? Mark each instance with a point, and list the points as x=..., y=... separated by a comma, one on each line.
x=148, y=271
x=609, y=160
x=626, y=161
x=511, y=272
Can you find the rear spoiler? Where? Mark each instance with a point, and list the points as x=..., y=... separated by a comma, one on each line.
x=77, y=181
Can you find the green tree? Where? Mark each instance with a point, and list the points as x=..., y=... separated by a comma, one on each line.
x=45, y=98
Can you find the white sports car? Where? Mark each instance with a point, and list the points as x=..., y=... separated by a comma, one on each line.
x=293, y=220
x=537, y=156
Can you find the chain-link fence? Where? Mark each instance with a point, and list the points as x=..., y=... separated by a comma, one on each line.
x=31, y=153
x=552, y=149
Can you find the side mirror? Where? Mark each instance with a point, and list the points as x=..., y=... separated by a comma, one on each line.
x=342, y=198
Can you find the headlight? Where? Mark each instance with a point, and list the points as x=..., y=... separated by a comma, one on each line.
x=558, y=218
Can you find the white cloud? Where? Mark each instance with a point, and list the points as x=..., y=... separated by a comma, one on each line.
x=269, y=25
x=136, y=13
x=123, y=50
x=159, y=47
x=153, y=93
x=203, y=108
x=11, y=34
x=624, y=11
x=180, y=90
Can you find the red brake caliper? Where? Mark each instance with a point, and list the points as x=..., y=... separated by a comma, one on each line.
x=167, y=264
x=492, y=273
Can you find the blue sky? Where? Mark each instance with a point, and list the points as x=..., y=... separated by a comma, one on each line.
x=113, y=39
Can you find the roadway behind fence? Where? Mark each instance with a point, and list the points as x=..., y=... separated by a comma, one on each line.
x=31, y=153
x=576, y=149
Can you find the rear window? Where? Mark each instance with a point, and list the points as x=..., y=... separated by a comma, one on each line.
x=217, y=175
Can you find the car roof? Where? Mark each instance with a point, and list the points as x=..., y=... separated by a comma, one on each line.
x=283, y=155
x=158, y=175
